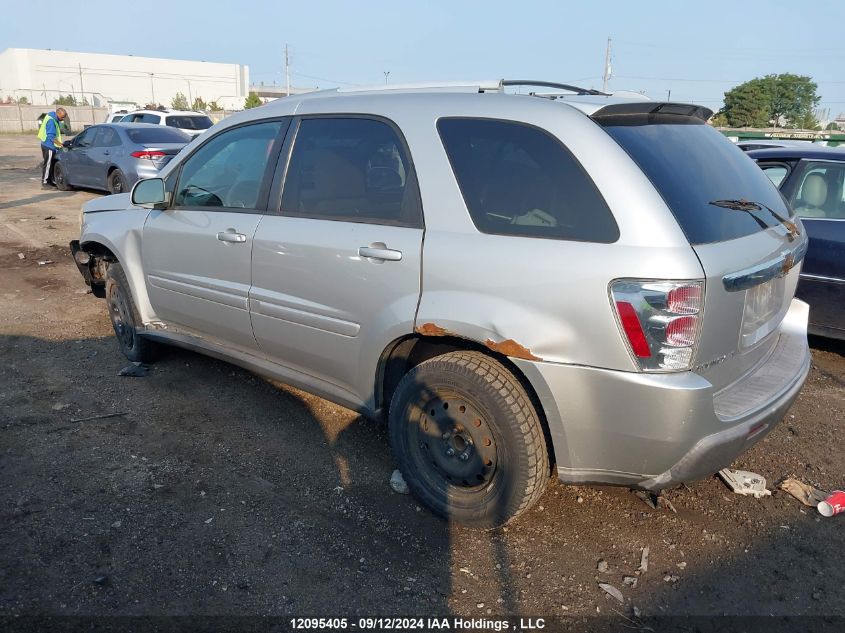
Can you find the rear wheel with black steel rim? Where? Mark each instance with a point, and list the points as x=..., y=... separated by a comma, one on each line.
x=468, y=440
x=125, y=319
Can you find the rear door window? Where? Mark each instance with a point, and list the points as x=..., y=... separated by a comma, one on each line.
x=776, y=172
x=519, y=180
x=189, y=122
x=149, y=118
x=694, y=166
x=351, y=169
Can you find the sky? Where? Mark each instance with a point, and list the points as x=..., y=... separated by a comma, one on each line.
x=695, y=50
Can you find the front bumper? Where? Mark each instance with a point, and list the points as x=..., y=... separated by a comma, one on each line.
x=655, y=431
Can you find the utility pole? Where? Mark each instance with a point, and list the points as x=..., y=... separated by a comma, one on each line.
x=669, y=95
x=606, y=75
x=287, y=71
x=190, y=96
x=153, y=90
x=81, y=87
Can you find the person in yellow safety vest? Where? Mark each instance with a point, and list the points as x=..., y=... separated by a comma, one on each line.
x=50, y=135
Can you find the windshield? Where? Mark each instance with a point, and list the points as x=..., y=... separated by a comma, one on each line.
x=160, y=134
x=187, y=122
x=693, y=166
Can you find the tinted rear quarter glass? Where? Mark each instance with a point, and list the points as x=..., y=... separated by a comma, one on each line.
x=187, y=122
x=691, y=165
x=160, y=134
x=517, y=179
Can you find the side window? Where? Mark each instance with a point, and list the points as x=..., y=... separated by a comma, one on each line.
x=230, y=169
x=149, y=118
x=820, y=193
x=519, y=180
x=86, y=139
x=106, y=137
x=353, y=170
x=775, y=171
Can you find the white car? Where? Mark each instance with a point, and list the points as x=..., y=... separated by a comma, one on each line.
x=193, y=123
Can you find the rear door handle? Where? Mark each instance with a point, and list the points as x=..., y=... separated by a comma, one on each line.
x=380, y=252
x=230, y=235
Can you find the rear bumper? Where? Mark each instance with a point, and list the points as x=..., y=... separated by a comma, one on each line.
x=655, y=431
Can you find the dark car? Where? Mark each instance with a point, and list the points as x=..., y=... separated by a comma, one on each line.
x=114, y=156
x=813, y=181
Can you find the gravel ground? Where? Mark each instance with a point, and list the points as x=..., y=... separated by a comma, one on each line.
x=216, y=492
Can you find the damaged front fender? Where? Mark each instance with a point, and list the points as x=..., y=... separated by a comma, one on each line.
x=92, y=267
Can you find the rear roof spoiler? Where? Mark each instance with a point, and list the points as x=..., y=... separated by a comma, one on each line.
x=643, y=112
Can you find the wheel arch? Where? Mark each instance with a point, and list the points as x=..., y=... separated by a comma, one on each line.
x=405, y=353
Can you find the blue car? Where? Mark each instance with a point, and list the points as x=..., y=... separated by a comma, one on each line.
x=114, y=156
x=812, y=179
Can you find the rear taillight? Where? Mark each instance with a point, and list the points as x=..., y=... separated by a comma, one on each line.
x=660, y=321
x=148, y=155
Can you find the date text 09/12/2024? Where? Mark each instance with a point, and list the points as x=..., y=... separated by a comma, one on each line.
x=422, y=624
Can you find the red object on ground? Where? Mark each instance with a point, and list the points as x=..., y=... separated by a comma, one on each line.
x=834, y=504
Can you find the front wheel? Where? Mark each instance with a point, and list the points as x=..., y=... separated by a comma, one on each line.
x=125, y=319
x=60, y=177
x=468, y=440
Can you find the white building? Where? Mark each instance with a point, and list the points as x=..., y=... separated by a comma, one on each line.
x=42, y=75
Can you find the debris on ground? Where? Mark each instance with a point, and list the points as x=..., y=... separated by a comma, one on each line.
x=834, y=504
x=99, y=417
x=630, y=581
x=44, y=262
x=743, y=482
x=101, y=580
x=648, y=498
x=602, y=566
x=21, y=256
x=612, y=591
x=397, y=483
x=805, y=493
x=671, y=578
x=50, y=217
x=135, y=370
x=663, y=502
x=643, y=568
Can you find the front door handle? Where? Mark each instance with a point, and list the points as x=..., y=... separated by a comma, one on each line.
x=232, y=236
x=379, y=251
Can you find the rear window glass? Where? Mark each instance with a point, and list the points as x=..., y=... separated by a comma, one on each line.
x=189, y=122
x=159, y=134
x=694, y=165
x=519, y=180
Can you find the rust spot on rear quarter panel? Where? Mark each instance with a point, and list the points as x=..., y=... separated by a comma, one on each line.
x=510, y=347
x=430, y=329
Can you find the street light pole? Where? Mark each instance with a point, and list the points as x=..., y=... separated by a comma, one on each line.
x=190, y=97
x=153, y=90
x=386, y=75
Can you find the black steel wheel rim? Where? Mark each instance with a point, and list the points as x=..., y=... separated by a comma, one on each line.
x=121, y=317
x=451, y=442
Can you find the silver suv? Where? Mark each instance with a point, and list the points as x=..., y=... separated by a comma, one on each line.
x=516, y=282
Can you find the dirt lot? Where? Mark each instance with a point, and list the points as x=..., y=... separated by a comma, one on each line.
x=218, y=492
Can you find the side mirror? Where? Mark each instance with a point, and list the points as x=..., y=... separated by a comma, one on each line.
x=68, y=144
x=150, y=194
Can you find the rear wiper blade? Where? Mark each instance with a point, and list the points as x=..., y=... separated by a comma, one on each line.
x=750, y=205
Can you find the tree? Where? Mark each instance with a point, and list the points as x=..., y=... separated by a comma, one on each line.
x=252, y=101
x=153, y=106
x=179, y=102
x=214, y=107
x=832, y=126
x=719, y=120
x=780, y=100
x=199, y=105
x=23, y=101
x=69, y=100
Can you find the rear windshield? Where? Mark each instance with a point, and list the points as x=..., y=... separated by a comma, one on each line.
x=190, y=122
x=161, y=134
x=692, y=165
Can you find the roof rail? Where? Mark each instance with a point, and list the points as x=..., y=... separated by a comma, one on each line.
x=551, y=84
x=494, y=85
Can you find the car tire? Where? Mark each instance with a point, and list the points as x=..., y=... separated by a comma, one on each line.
x=60, y=178
x=117, y=182
x=468, y=440
x=125, y=318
